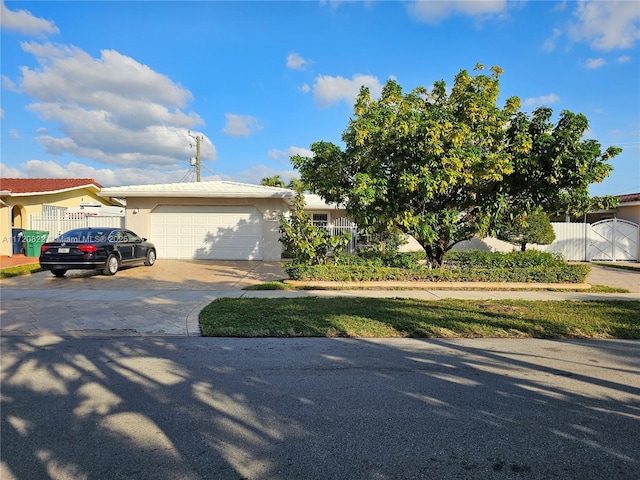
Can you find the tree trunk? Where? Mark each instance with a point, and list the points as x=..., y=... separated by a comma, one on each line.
x=436, y=253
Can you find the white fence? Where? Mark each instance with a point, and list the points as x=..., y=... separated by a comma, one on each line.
x=56, y=223
x=608, y=240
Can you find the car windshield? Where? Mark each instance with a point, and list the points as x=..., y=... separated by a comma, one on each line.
x=85, y=235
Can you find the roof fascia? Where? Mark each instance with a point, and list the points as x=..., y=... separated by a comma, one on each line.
x=194, y=195
x=89, y=186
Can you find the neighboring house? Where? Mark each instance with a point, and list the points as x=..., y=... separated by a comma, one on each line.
x=22, y=199
x=628, y=209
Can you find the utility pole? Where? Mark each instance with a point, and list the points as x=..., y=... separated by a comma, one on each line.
x=198, y=140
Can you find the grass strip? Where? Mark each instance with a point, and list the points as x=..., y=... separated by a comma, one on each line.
x=412, y=318
x=632, y=268
x=19, y=270
x=280, y=285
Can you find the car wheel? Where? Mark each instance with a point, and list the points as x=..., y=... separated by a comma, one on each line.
x=58, y=273
x=151, y=258
x=111, y=267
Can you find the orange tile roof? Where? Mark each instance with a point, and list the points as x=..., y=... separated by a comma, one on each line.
x=630, y=197
x=42, y=185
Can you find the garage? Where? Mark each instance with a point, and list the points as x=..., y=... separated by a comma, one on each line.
x=216, y=220
x=207, y=232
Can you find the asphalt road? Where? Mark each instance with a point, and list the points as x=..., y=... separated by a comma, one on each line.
x=101, y=379
x=201, y=408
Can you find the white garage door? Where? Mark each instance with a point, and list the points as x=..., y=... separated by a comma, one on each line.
x=207, y=232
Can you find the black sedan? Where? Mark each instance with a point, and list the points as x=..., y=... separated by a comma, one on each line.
x=102, y=249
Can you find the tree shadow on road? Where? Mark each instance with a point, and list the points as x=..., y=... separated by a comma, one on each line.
x=202, y=408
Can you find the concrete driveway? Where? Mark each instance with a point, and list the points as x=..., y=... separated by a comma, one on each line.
x=164, y=299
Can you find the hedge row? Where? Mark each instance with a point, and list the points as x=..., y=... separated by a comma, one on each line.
x=562, y=273
x=515, y=259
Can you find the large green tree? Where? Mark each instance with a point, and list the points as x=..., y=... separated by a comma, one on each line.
x=554, y=165
x=444, y=166
x=426, y=162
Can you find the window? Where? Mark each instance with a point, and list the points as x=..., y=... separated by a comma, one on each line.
x=320, y=219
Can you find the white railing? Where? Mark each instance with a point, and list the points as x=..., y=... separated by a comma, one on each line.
x=341, y=225
x=56, y=223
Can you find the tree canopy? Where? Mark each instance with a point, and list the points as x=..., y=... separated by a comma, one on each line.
x=444, y=166
x=277, y=181
x=553, y=165
x=528, y=228
x=274, y=181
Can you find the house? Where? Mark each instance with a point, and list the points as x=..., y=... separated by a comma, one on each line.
x=21, y=199
x=628, y=209
x=216, y=220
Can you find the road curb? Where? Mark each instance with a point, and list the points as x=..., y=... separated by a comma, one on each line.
x=439, y=285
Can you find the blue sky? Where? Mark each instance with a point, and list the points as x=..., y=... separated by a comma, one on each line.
x=110, y=90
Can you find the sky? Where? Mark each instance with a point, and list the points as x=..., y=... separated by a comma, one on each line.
x=118, y=90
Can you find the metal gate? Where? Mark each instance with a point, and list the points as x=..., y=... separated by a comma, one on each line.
x=614, y=240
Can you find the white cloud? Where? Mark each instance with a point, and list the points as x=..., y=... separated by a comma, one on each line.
x=624, y=59
x=240, y=125
x=595, y=62
x=285, y=155
x=606, y=25
x=296, y=62
x=550, y=43
x=21, y=21
x=11, y=172
x=542, y=100
x=435, y=11
x=9, y=84
x=305, y=88
x=105, y=176
x=329, y=90
x=71, y=75
x=111, y=109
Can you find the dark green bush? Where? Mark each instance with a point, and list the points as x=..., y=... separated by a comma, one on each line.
x=361, y=273
x=374, y=259
x=515, y=259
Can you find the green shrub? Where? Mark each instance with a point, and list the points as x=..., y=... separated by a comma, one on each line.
x=374, y=259
x=304, y=242
x=515, y=259
x=364, y=273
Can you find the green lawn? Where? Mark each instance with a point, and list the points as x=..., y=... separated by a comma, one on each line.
x=374, y=317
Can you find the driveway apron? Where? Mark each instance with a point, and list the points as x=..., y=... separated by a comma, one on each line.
x=161, y=300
